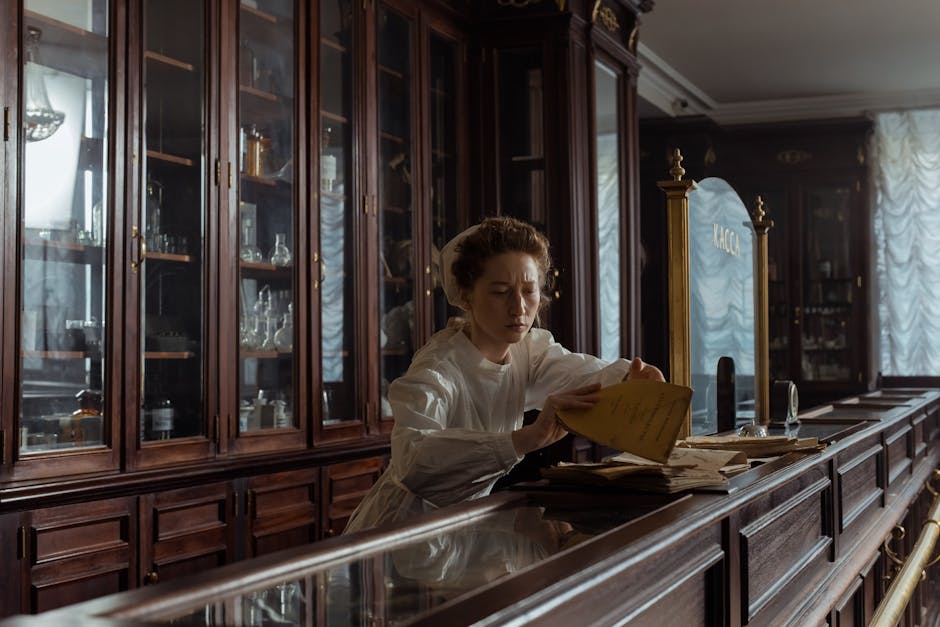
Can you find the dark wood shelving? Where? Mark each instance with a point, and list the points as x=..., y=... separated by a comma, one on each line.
x=168, y=158
x=332, y=43
x=392, y=138
x=258, y=13
x=69, y=48
x=264, y=355
x=64, y=355
x=390, y=72
x=170, y=61
x=169, y=354
x=66, y=252
x=153, y=256
x=329, y=115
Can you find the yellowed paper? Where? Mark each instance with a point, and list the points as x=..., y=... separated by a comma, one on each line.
x=638, y=416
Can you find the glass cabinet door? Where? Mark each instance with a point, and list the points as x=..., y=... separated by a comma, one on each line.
x=62, y=228
x=828, y=283
x=444, y=199
x=172, y=224
x=608, y=182
x=335, y=260
x=522, y=150
x=396, y=203
x=267, y=198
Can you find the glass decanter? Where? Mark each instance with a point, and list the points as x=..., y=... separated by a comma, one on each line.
x=284, y=337
x=280, y=256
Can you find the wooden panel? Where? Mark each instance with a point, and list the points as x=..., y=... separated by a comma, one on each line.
x=345, y=486
x=78, y=552
x=919, y=425
x=783, y=548
x=688, y=591
x=898, y=450
x=282, y=511
x=185, y=531
x=849, y=610
x=9, y=556
x=860, y=487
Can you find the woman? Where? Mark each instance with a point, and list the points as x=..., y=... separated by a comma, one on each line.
x=458, y=410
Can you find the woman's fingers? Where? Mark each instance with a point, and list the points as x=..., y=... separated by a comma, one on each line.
x=642, y=370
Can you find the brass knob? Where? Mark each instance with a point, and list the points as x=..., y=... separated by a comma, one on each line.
x=330, y=533
x=151, y=578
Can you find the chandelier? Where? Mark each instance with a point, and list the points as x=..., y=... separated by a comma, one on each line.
x=40, y=119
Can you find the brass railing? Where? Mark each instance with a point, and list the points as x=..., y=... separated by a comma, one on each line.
x=914, y=570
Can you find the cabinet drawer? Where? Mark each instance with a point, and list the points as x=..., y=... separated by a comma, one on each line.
x=345, y=486
x=282, y=511
x=860, y=488
x=78, y=552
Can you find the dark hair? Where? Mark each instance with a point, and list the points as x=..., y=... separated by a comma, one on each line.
x=497, y=236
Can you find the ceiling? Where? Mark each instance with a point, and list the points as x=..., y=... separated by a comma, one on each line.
x=740, y=61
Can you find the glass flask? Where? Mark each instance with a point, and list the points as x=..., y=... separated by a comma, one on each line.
x=280, y=256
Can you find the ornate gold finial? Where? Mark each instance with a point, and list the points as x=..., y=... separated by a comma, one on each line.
x=760, y=220
x=677, y=171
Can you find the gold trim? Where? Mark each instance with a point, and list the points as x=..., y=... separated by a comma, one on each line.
x=677, y=222
x=762, y=224
x=609, y=19
x=896, y=599
x=631, y=41
x=793, y=156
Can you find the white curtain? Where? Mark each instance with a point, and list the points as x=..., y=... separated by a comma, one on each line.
x=906, y=168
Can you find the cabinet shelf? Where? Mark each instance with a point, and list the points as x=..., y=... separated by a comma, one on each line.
x=258, y=13
x=332, y=43
x=390, y=72
x=395, y=352
x=63, y=355
x=267, y=181
x=258, y=93
x=152, y=256
x=168, y=158
x=392, y=138
x=395, y=210
x=265, y=355
x=67, y=252
x=334, y=195
x=266, y=271
x=169, y=354
x=334, y=116
x=69, y=48
x=169, y=61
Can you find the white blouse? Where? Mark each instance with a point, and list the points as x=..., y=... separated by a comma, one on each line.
x=455, y=412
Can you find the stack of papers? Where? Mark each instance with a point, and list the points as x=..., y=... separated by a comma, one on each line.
x=685, y=469
x=753, y=447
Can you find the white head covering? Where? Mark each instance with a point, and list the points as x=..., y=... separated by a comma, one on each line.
x=448, y=257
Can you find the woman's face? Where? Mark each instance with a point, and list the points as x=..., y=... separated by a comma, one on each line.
x=503, y=303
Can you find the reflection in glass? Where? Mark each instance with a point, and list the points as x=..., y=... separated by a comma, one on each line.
x=521, y=133
x=62, y=226
x=826, y=353
x=721, y=303
x=444, y=202
x=40, y=118
x=335, y=264
x=173, y=220
x=394, y=583
x=606, y=90
x=395, y=210
x=267, y=199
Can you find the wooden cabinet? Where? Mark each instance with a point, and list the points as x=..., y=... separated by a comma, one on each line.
x=813, y=180
x=185, y=531
x=281, y=511
x=344, y=486
x=76, y=552
x=559, y=105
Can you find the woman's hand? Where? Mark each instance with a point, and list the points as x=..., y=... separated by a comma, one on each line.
x=642, y=370
x=547, y=429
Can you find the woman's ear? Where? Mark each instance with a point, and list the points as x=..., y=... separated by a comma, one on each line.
x=464, y=300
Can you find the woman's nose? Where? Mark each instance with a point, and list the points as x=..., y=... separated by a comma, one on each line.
x=516, y=303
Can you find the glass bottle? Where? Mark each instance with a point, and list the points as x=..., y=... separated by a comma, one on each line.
x=280, y=256
x=284, y=338
x=162, y=417
x=327, y=162
x=89, y=406
x=248, y=251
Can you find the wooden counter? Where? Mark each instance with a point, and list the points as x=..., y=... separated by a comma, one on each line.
x=796, y=541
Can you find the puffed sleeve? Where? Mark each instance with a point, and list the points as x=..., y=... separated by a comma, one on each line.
x=438, y=463
x=553, y=368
